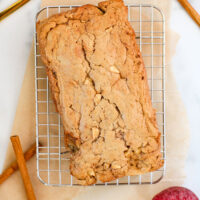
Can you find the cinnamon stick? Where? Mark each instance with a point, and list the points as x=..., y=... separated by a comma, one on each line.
x=14, y=166
x=191, y=11
x=22, y=167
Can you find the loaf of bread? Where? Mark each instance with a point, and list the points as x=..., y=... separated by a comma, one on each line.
x=99, y=85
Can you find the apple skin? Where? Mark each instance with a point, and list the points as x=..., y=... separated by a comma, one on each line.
x=176, y=193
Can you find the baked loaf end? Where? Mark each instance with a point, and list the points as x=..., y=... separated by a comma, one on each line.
x=99, y=86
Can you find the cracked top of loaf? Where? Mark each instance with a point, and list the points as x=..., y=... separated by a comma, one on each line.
x=99, y=85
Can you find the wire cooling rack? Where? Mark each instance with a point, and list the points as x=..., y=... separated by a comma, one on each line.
x=52, y=158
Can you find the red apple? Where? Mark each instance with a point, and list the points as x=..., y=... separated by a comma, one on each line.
x=176, y=193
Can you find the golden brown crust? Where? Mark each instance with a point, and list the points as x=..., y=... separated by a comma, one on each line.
x=99, y=85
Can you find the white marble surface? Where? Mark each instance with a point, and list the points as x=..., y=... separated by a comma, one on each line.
x=186, y=68
x=16, y=34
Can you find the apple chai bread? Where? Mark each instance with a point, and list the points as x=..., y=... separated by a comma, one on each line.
x=99, y=85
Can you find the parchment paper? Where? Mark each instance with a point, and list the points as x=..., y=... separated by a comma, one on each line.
x=177, y=134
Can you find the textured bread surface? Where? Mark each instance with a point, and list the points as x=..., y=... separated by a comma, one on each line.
x=99, y=85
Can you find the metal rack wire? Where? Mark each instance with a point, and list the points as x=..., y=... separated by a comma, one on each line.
x=52, y=164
